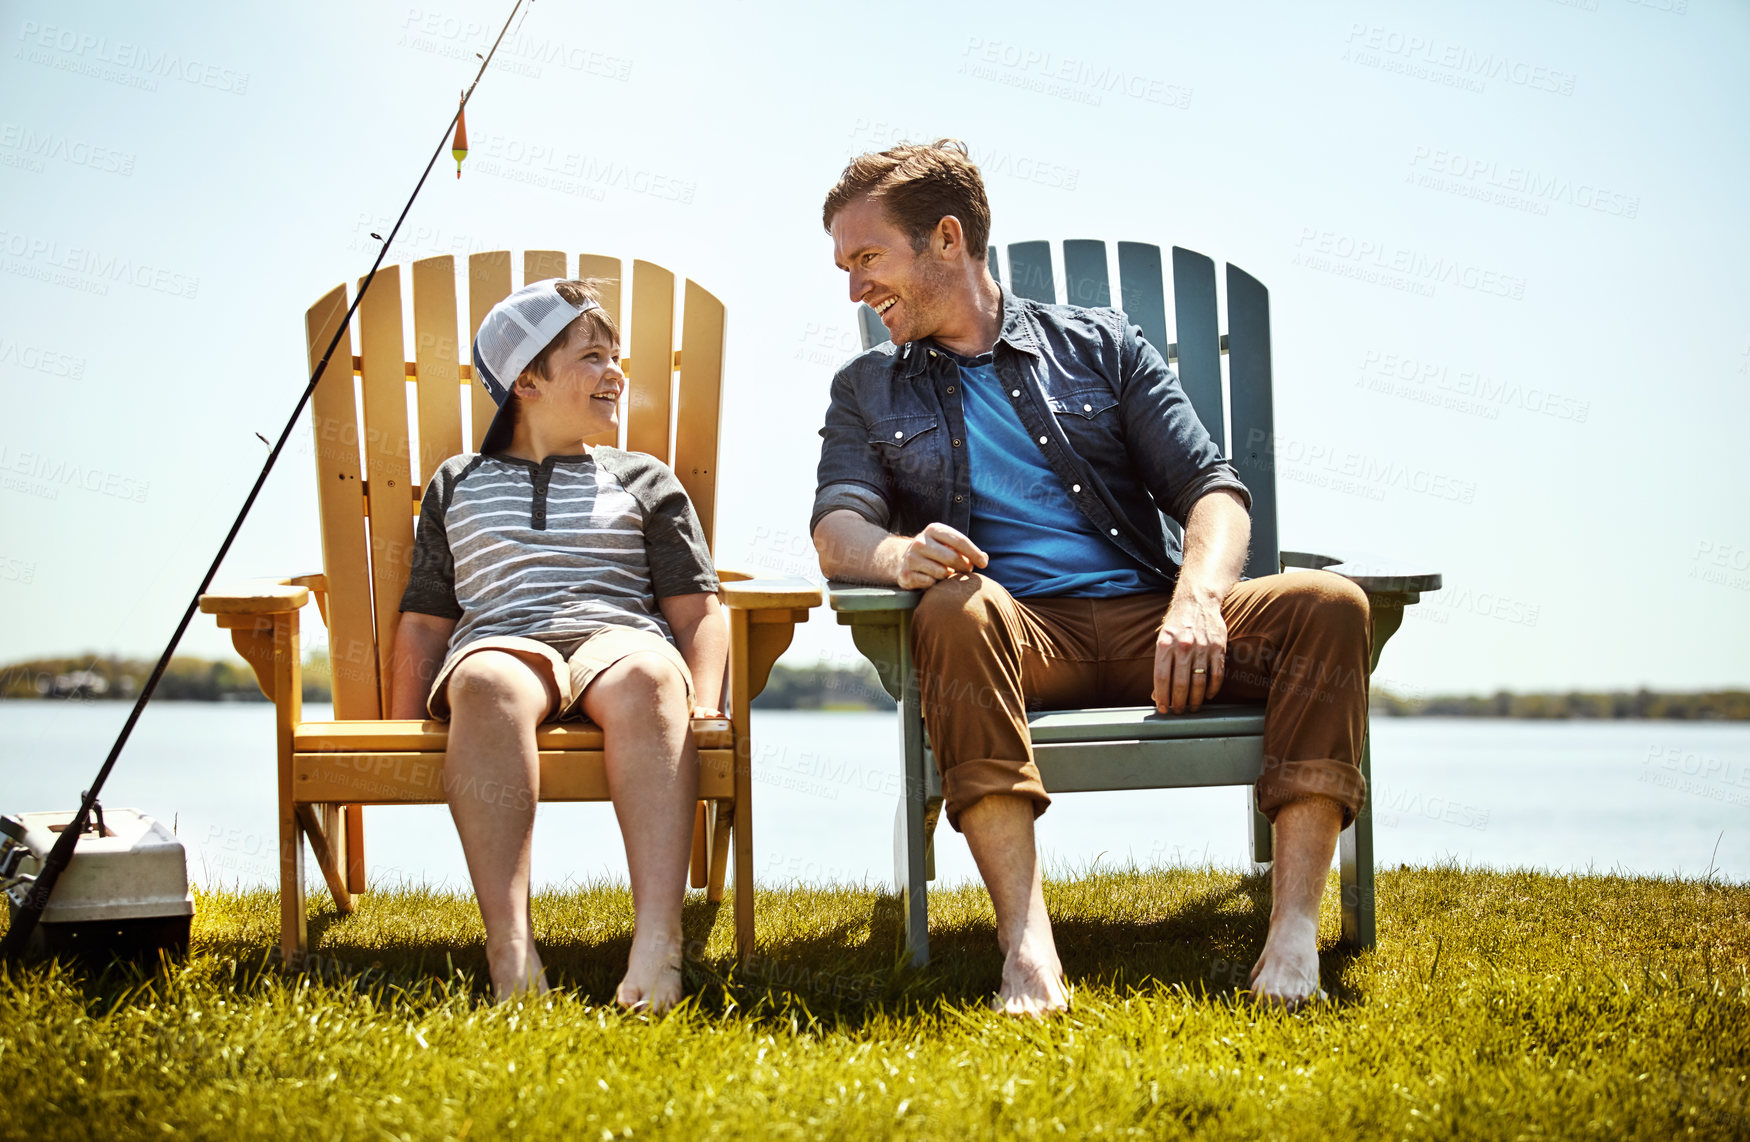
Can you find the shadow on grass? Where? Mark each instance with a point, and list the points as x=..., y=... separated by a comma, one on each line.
x=844, y=964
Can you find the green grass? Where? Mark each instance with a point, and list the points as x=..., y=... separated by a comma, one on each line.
x=1497, y=1005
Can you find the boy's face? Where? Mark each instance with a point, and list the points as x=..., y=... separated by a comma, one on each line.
x=580, y=396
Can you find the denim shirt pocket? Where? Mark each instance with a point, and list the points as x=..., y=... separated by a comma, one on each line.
x=899, y=431
x=1085, y=403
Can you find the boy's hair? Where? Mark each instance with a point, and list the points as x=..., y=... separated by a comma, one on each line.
x=598, y=324
x=918, y=185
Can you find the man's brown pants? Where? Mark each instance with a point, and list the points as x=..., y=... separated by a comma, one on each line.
x=1299, y=643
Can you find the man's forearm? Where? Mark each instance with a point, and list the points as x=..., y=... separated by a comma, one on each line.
x=1216, y=536
x=851, y=547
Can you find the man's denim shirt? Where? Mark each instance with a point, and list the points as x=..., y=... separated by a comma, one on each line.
x=1107, y=411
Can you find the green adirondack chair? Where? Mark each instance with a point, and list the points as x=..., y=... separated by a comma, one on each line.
x=1135, y=748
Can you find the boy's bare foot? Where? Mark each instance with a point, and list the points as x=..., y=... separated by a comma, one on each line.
x=1287, y=973
x=1032, y=983
x=516, y=968
x=653, y=976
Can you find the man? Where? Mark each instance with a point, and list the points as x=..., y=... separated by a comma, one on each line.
x=1016, y=460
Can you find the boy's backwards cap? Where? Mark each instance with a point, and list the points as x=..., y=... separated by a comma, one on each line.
x=511, y=335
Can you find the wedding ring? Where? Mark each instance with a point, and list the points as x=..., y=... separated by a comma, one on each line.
x=1198, y=670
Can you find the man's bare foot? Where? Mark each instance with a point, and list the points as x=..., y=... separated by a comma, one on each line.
x=1287, y=974
x=516, y=968
x=1032, y=982
x=653, y=975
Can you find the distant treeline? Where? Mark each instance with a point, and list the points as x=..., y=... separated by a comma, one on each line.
x=823, y=687
x=1709, y=706
x=817, y=687
x=186, y=679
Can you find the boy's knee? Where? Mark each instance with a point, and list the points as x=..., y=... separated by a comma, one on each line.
x=489, y=679
x=641, y=678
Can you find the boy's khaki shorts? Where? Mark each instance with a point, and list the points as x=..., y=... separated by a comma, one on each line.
x=574, y=665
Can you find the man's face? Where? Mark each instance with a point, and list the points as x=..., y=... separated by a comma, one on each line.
x=910, y=290
x=582, y=390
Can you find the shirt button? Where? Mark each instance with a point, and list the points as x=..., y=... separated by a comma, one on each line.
x=950, y=388
x=899, y=436
x=957, y=499
x=1014, y=392
x=1087, y=408
x=1114, y=531
x=1044, y=440
x=1075, y=487
x=956, y=442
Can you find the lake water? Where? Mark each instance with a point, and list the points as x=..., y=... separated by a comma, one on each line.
x=1632, y=797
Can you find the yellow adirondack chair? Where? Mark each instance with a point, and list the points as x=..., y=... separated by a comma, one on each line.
x=369, y=493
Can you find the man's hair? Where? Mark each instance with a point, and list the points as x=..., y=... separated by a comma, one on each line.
x=918, y=185
x=598, y=324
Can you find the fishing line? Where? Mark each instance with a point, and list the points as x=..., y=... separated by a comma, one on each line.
x=30, y=911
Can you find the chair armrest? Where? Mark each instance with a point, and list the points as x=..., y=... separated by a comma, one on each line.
x=318, y=584
x=255, y=597
x=1375, y=576
x=769, y=594
x=857, y=597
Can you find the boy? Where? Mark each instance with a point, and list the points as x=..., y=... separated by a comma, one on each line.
x=555, y=579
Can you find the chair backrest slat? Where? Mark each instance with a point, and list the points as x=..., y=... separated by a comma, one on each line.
x=539, y=265
x=488, y=284
x=1030, y=273
x=352, y=642
x=1250, y=385
x=1084, y=270
x=1199, y=338
x=651, y=371
x=438, y=355
x=388, y=464
x=605, y=271
x=700, y=404
x=1141, y=291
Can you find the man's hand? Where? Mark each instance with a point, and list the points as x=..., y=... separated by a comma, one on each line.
x=1189, y=654
x=935, y=553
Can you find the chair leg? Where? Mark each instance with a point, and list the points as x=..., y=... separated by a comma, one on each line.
x=1356, y=847
x=912, y=867
x=293, y=934
x=741, y=834
x=318, y=822
x=719, y=820
x=1263, y=848
x=932, y=810
x=355, y=847
x=701, y=864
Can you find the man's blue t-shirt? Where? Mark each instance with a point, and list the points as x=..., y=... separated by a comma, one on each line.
x=1022, y=515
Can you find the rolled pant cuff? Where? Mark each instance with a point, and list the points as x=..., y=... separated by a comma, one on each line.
x=1285, y=781
x=966, y=782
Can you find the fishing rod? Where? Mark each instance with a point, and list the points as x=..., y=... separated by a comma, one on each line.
x=30, y=910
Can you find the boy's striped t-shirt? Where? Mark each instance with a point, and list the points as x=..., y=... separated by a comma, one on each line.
x=555, y=551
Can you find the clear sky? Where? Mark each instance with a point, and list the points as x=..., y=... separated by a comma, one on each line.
x=1505, y=241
